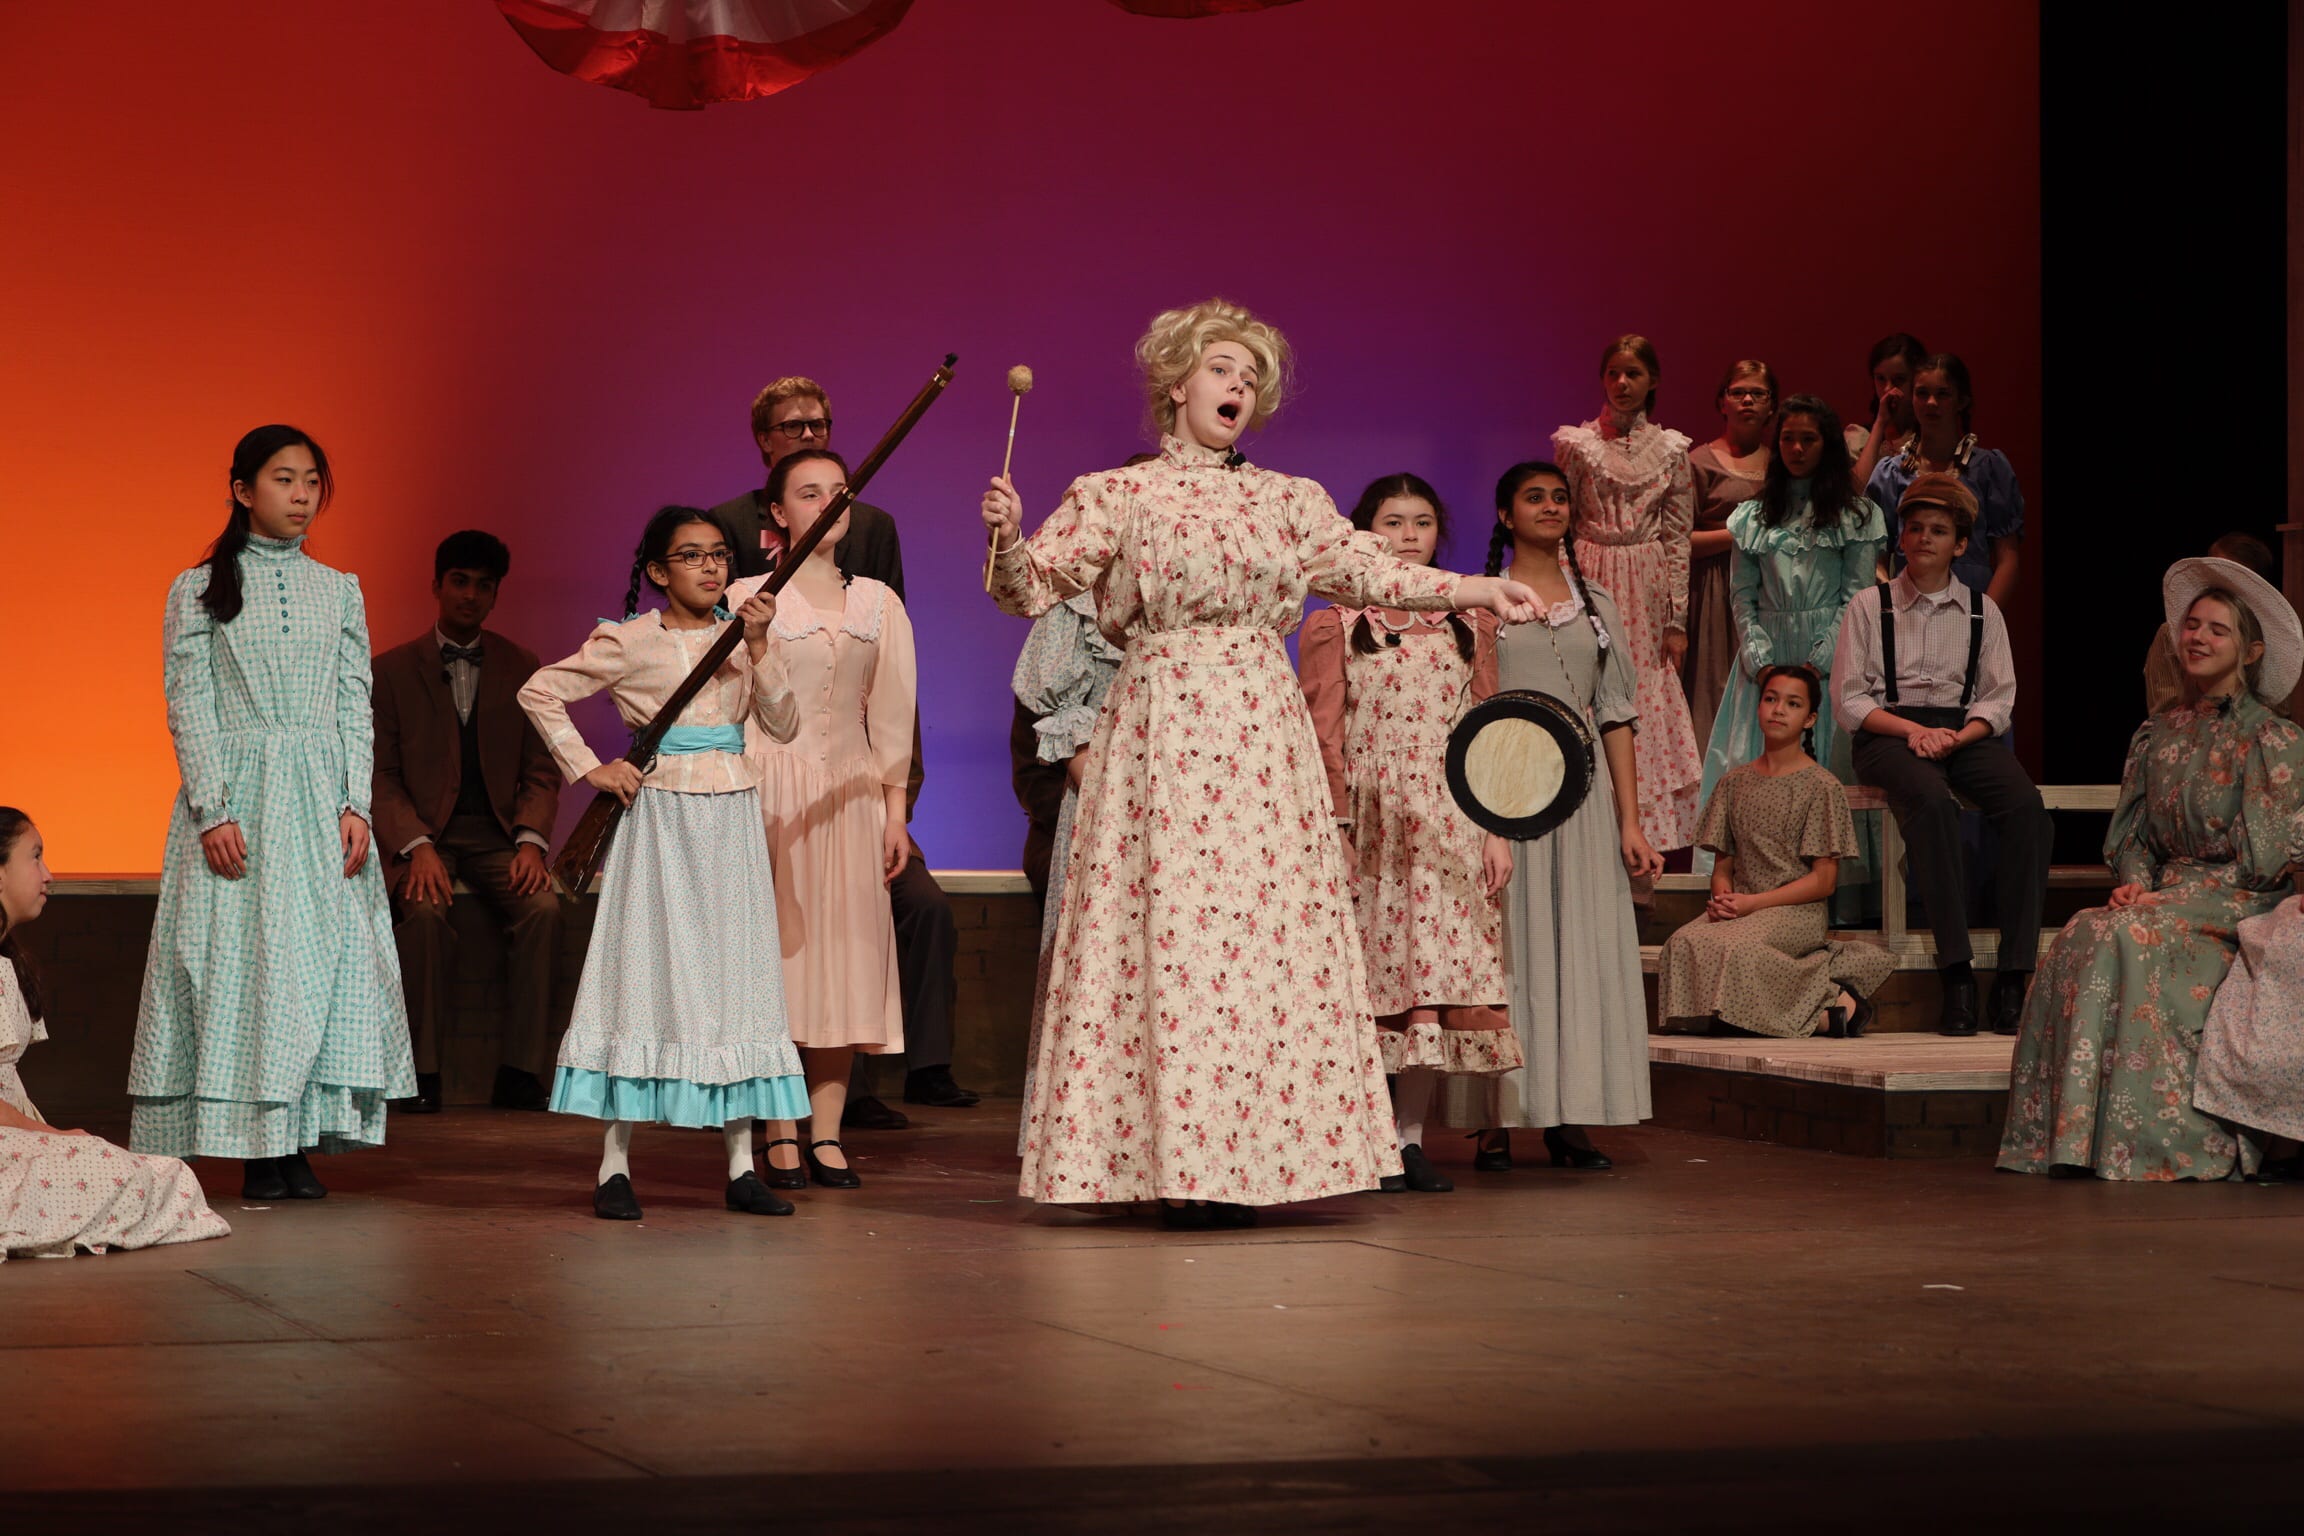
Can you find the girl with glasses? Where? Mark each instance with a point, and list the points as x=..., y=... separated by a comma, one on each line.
x=679, y=1018
x=272, y=1024
x=833, y=790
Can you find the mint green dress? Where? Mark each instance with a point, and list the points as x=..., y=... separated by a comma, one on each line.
x=272, y=1020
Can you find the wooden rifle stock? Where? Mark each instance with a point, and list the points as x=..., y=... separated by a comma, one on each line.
x=586, y=850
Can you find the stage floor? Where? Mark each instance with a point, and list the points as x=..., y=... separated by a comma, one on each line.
x=1718, y=1334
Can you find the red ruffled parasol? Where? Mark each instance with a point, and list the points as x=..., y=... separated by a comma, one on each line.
x=691, y=53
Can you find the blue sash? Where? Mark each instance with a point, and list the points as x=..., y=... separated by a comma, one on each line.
x=681, y=740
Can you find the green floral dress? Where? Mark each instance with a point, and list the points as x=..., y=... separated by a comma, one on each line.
x=272, y=1019
x=2208, y=822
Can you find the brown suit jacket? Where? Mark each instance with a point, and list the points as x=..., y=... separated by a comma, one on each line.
x=419, y=761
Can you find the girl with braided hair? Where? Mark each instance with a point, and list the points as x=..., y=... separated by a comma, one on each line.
x=1571, y=945
x=679, y=1019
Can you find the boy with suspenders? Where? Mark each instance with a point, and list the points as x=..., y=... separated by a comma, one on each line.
x=1923, y=683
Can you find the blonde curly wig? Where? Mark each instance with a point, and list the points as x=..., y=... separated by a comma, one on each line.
x=1172, y=347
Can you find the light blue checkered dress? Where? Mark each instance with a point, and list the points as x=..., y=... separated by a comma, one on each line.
x=272, y=1020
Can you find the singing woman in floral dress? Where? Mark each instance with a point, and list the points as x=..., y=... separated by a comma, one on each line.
x=1207, y=1037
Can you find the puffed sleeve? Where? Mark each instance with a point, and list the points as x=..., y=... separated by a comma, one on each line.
x=1753, y=650
x=1320, y=654
x=1827, y=830
x=1679, y=516
x=1717, y=830
x=2128, y=843
x=1061, y=677
x=1355, y=569
x=774, y=709
x=1859, y=568
x=356, y=702
x=1999, y=499
x=547, y=695
x=1616, y=701
x=2269, y=835
x=1069, y=552
x=892, y=696
x=188, y=670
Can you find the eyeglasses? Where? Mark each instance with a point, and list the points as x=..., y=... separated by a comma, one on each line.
x=690, y=559
x=1747, y=393
x=800, y=426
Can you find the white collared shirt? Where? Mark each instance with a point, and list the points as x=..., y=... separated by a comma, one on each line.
x=1931, y=656
x=463, y=678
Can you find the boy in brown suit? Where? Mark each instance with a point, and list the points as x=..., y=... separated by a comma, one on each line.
x=466, y=789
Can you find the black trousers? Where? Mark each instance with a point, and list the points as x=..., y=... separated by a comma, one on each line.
x=476, y=851
x=1920, y=797
x=927, y=948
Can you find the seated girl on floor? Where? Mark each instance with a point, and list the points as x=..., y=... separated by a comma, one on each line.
x=1761, y=958
x=64, y=1190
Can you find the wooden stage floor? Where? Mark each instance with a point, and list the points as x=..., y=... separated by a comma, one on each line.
x=1718, y=1335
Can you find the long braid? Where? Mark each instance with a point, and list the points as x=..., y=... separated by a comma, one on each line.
x=639, y=571
x=1576, y=574
x=1499, y=540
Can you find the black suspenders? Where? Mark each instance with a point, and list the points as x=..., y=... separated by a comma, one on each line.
x=1888, y=643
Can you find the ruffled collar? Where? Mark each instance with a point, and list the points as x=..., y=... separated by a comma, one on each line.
x=262, y=548
x=1175, y=450
x=1609, y=424
x=1559, y=615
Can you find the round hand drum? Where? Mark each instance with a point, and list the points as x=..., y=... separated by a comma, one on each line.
x=1519, y=763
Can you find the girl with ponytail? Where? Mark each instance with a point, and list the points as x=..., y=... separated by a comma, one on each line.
x=1383, y=685
x=679, y=1018
x=272, y=1023
x=1571, y=946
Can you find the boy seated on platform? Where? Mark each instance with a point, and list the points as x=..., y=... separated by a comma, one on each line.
x=1923, y=697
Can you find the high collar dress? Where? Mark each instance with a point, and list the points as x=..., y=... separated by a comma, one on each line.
x=1207, y=1032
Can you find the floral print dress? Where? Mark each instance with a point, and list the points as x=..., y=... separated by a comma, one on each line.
x=1207, y=1033
x=1432, y=935
x=1635, y=503
x=2207, y=822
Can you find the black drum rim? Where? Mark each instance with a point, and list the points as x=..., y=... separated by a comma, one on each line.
x=1568, y=731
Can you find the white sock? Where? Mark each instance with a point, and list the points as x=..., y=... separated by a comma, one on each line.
x=616, y=1151
x=1411, y=1097
x=739, y=1138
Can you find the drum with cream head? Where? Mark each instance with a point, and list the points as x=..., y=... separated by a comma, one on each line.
x=1520, y=763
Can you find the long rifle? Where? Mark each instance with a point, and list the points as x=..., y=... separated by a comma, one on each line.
x=587, y=847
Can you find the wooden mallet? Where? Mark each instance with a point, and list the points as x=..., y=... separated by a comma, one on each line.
x=1019, y=385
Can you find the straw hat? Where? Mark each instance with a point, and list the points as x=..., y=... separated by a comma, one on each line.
x=2283, y=635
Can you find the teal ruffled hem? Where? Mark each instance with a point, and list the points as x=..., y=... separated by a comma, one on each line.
x=675, y=1101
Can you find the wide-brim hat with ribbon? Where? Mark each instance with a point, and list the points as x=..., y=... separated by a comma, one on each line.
x=2283, y=635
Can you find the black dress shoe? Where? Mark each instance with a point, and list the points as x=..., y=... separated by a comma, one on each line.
x=2007, y=1009
x=1840, y=1024
x=614, y=1200
x=869, y=1114
x=260, y=1180
x=1183, y=1218
x=1566, y=1154
x=1422, y=1177
x=427, y=1099
x=1224, y=1213
x=934, y=1087
x=794, y=1177
x=516, y=1089
x=830, y=1178
x=1392, y=1184
x=754, y=1198
x=1491, y=1156
x=1959, y=1010
x=297, y=1175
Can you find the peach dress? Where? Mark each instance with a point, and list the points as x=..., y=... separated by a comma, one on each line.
x=1207, y=1032
x=824, y=796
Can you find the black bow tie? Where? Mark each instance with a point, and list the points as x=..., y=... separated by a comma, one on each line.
x=470, y=653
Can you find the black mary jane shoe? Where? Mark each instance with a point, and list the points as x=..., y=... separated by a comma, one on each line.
x=1840, y=1024
x=1392, y=1184
x=1184, y=1218
x=302, y=1182
x=829, y=1177
x=1421, y=1176
x=1566, y=1154
x=614, y=1200
x=1490, y=1157
x=754, y=1198
x=1226, y=1214
x=260, y=1179
x=794, y=1177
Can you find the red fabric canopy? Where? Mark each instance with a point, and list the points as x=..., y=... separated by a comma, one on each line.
x=691, y=53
